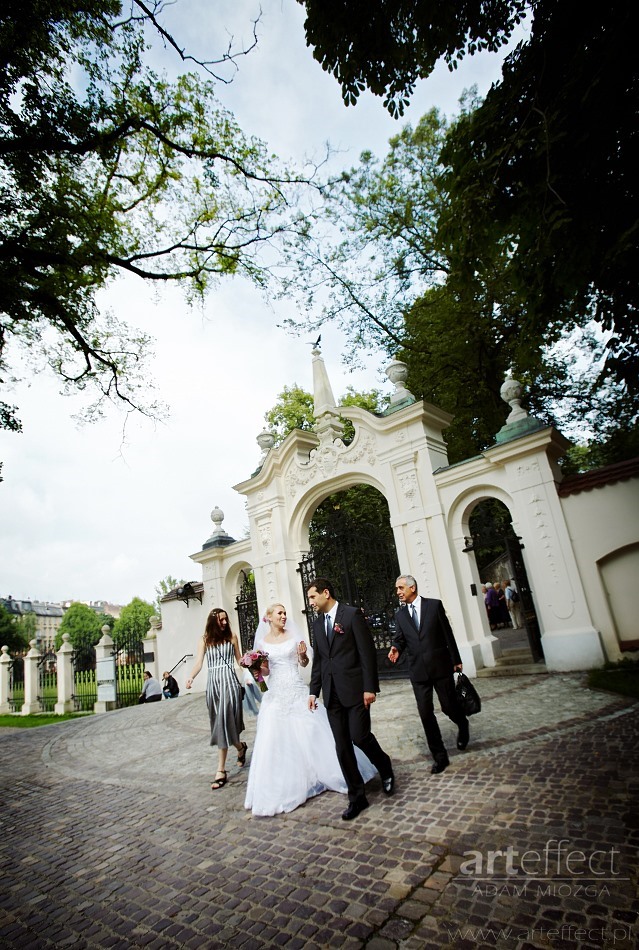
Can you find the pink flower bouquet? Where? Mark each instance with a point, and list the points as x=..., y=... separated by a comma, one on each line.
x=253, y=661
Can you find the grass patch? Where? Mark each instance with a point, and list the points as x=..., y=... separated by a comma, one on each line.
x=39, y=719
x=622, y=678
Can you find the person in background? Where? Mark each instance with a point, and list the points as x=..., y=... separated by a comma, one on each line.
x=151, y=691
x=170, y=687
x=512, y=604
x=223, y=692
x=504, y=616
x=492, y=605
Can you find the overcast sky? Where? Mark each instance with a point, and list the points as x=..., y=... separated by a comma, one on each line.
x=91, y=514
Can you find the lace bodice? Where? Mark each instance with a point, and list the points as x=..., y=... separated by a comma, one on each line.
x=285, y=684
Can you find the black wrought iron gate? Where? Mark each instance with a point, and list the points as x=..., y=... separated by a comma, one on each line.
x=363, y=565
x=248, y=615
x=129, y=670
x=526, y=604
x=85, y=690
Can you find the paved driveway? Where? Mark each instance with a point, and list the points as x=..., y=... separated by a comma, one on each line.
x=111, y=837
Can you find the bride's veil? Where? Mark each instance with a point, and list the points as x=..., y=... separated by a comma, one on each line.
x=298, y=634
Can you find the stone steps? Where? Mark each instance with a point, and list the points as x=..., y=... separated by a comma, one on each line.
x=514, y=663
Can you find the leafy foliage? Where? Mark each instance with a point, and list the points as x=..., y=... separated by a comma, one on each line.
x=165, y=586
x=133, y=623
x=12, y=633
x=545, y=172
x=507, y=241
x=386, y=46
x=294, y=410
x=83, y=625
x=107, y=169
x=373, y=247
x=387, y=265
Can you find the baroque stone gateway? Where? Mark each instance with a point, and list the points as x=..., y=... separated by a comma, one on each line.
x=579, y=536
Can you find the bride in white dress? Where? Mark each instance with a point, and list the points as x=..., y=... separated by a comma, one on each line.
x=294, y=754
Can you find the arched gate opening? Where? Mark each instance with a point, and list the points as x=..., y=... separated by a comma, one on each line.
x=352, y=543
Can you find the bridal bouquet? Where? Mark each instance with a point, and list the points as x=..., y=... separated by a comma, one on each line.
x=252, y=661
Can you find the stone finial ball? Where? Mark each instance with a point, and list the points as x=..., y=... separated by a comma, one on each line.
x=217, y=516
x=511, y=389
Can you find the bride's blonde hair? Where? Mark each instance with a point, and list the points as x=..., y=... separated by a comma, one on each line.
x=268, y=613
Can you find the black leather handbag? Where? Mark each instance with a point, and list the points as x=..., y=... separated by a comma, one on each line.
x=467, y=696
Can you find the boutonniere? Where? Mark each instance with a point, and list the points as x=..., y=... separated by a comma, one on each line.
x=338, y=628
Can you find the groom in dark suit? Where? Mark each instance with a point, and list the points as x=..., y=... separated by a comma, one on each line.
x=345, y=671
x=423, y=629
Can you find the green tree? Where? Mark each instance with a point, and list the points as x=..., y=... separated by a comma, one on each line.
x=165, y=586
x=372, y=247
x=386, y=46
x=540, y=178
x=388, y=273
x=545, y=171
x=82, y=624
x=12, y=633
x=109, y=169
x=28, y=626
x=133, y=623
x=294, y=410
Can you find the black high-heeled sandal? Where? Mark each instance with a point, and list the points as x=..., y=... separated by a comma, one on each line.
x=219, y=783
x=241, y=756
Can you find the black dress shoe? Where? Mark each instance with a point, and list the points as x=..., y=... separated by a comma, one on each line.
x=354, y=808
x=463, y=735
x=388, y=783
x=440, y=765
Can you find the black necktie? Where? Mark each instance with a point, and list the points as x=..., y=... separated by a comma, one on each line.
x=329, y=629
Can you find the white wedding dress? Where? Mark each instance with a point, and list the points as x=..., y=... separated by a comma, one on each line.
x=294, y=754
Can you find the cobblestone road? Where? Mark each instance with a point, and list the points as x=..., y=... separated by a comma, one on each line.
x=111, y=837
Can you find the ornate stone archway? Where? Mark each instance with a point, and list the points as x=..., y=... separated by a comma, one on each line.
x=403, y=454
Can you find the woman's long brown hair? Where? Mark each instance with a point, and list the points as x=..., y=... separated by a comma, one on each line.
x=213, y=633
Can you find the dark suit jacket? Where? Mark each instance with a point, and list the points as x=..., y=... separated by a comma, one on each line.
x=432, y=651
x=350, y=665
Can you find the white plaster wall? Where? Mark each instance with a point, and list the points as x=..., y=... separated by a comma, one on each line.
x=604, y=530
x=181, y=628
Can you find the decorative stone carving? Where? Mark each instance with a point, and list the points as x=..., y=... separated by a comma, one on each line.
x=397, y=372
x=271, y=585
x=511, y=391
x=518, y=423
x=421, y=545
x=266, y=441
x=409, y=486
x=264, y=529
x=330, y=455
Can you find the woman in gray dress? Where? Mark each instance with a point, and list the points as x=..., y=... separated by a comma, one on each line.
x=223, y=692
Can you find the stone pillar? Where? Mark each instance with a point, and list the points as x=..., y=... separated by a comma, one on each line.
x=150, y=647
x=105, y=673
x=5, y=663
x=31, y=680
x=64, y=658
